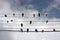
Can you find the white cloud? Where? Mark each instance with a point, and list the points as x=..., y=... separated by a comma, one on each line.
x=5, y=8
x=54, y=4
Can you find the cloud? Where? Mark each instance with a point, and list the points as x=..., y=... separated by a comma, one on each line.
x=54, y=4
x=53, y=9
x=14, y=6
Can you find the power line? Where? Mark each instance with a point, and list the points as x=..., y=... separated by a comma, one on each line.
x=34, y=21
x=29, y=30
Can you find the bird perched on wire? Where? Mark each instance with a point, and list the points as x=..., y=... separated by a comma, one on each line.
x=46, y=21
x=46, y=14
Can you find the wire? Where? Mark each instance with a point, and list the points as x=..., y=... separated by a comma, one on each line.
x=28, y=31
x=19, y=30
x=34, y=21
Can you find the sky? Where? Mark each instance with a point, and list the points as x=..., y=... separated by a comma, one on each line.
x=29, y=7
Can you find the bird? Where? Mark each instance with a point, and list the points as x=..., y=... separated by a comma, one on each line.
x=22, y=14
x=36, y=30
x=11, y=20
x=53, y=29
x=33, y=15
x=5, y=15
x=30, y=22
x=21, y=30
x=21, y=24
x=46, y=14
x=42, y=30
x=7, y=21
x=38, y=14
x=27, y=30
x=13, y=14
x=46, y=21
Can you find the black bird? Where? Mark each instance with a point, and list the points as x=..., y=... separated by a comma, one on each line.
x=22, y=14
x=13, y=14
x=33, y=15
x=27, y=30
x=46, y=21
x=7, y=21
x=36, y=30
x=21, y=25
x=30, y=22
x=38, y=14
x=21, y=30
x=46, y=14
x=53, y=29
x=5, y=15
x=42, y=30
x=11, y=20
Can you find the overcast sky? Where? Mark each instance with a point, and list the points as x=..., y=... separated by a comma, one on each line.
x=29, y=7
